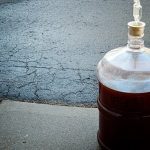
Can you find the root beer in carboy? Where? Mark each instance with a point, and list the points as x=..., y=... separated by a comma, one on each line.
x=124, y=92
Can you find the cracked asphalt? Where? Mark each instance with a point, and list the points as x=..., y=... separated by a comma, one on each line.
x=49, y=49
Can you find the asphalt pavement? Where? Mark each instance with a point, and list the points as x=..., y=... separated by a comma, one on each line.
x=29, y=126
x=49, y=49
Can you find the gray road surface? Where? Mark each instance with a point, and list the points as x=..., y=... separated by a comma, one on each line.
x=26, y=126
x=49, y=48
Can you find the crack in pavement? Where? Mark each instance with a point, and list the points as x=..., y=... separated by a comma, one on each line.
x=49, y=51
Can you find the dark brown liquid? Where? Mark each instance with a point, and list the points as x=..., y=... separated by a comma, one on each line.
x=124, y=119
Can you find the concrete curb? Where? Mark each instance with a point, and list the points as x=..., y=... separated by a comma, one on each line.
x=39, y=126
